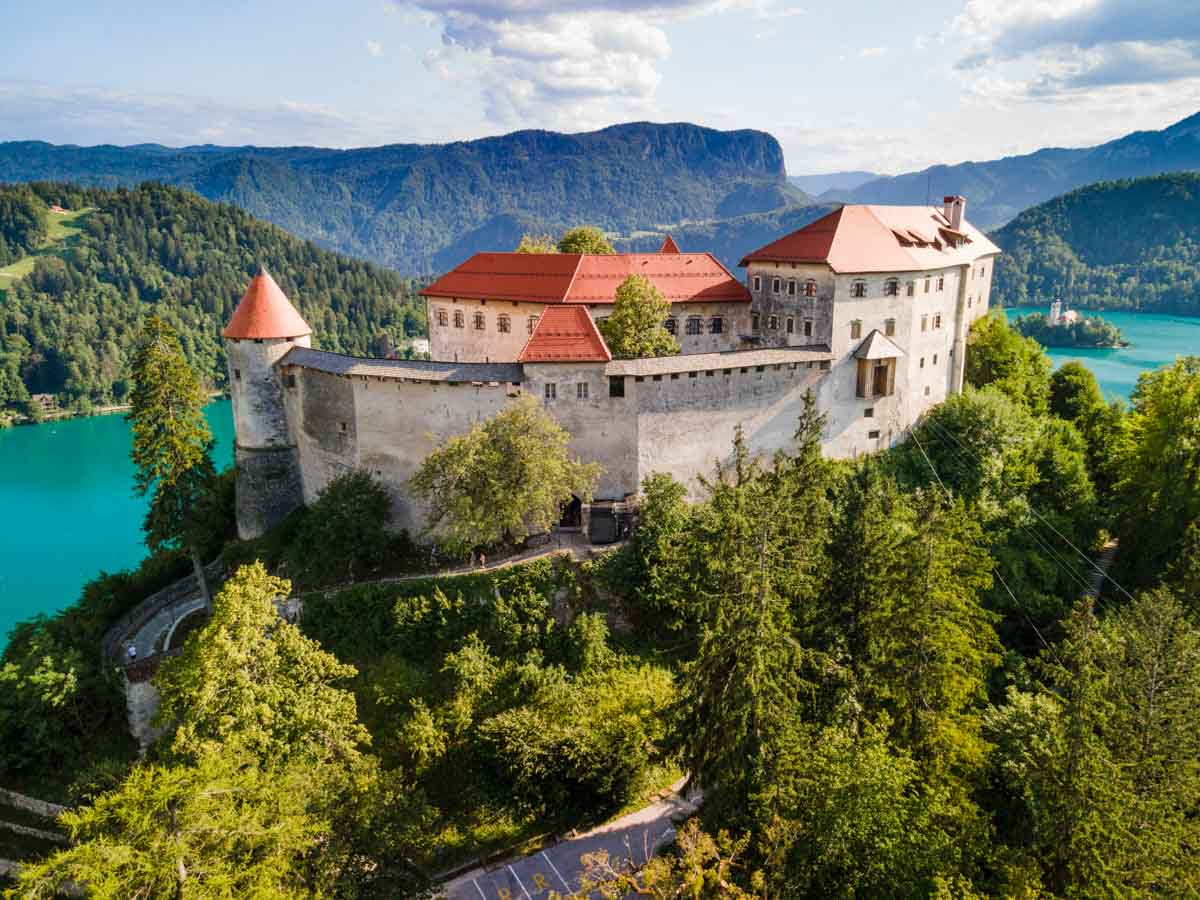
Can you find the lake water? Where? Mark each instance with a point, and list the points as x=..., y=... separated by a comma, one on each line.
x=1155, y=341
x=67, y=508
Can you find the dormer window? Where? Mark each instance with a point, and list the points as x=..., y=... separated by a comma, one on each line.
x=891, y=287
x=858, y=288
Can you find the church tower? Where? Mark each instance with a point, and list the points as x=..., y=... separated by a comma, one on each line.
x=264, y=327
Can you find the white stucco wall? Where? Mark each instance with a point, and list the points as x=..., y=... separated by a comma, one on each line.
x=451, y=343
x=258, y=418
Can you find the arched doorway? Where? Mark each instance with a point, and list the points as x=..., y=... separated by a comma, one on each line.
x=572, y=514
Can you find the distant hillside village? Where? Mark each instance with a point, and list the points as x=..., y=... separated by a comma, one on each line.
x=868, y=308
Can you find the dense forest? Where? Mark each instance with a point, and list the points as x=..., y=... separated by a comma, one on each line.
x=1114, y=245
x=890, y=675
x=66, y=327
x=999, y=189
x=422, y=209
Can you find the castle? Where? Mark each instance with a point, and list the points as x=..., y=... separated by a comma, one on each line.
x=869, y=307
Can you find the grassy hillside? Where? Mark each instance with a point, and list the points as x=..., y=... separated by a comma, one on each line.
x=75, y=296
x=406, y=205
x=1114, y=245
x=999, y=189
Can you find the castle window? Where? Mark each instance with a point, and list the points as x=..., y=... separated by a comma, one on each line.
x=935, y=359
x=891, y=287
x=808, y=327
x=924, y=323
x=237, y=374
x=858, y=289
x=480, y=322
x=773, y=323
x=290, y=380
x=757, y=283
x=969, y=302
x=754, y=322
x=889, y=327
x=792, y=288
x=937, y=321
x=810, y=288
x=551, y=392
x=856, y=329
x=876, y=378
x=443, y=318
x=581, y=390
x=775, y=285
x=791, y=325
x=926, y=390
x=532, y=323
x=922, y=363
x=941, y=282
x=503, y=324
x=692, y=374
x=695, y=325
x=912, y=288
x=716, y=325
x=927, y=282
x=824, y=365
x=873, y=435
x=672, y=326
x=459, y=318
x=616, y=385
x=869, y=412
x=343, y=424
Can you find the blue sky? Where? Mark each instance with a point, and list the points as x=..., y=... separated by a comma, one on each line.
x=884, y=86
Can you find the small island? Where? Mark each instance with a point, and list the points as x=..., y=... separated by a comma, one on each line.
x=1067, y=328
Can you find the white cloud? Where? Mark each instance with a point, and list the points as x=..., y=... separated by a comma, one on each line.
x=570, y=65
x=1049, y=49
x=867, y=52
x=375, y=48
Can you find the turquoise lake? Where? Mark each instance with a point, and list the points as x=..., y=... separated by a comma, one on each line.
x=1155, y=341
x=67, y=509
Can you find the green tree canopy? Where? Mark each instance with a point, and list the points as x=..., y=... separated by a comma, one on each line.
x=537, y=243
x=505, y=479
x=251, y=676
x=997, y=355
x=584, y=239
x=343, y=533
x=635, y=328
x=172, y=447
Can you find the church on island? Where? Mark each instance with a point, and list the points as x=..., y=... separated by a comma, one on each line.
x=868, y=307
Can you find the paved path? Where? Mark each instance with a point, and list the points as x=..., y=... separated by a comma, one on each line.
x=151, y=637
x=633, y=838
x=1099, y=574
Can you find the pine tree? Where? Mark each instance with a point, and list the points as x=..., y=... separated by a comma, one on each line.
x=172, y=447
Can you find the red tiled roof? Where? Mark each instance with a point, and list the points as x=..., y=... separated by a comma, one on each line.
x=586, y=278
x=878, y=239
x=669, y=246
x=565, y=334
x=265, y=312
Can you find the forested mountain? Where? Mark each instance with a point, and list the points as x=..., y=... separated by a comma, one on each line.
x=67, y=326
x=423, y=208
x=1114, y=245
x=998, y=190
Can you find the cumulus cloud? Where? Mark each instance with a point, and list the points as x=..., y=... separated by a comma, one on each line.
x=375, y=48
x=1078, y=46
x=566, y=64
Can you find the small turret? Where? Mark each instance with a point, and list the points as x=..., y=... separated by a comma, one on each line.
x=263, y=328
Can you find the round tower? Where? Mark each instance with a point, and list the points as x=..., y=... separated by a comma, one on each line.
x=263, y=328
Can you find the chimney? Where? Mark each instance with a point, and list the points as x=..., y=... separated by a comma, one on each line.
x=954, y=208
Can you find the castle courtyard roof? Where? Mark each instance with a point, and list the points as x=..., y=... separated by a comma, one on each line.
x=588, y=278
x=404, y=369
x=879, y=239
x=728, y=359
x=565, y=334
x=877, y=346
x=265, y=312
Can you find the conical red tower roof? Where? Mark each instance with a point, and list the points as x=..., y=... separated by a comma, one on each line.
x=265, y=312
x=669, y=246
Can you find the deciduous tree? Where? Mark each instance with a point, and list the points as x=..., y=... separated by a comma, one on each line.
x=635, y=328
x=505, y=479
x=584, y=239
x=998, y=355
